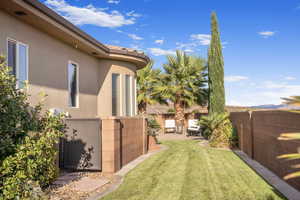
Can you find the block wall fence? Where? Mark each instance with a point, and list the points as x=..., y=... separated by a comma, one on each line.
x=123, y=140
x=258, y=137
x=103, y=144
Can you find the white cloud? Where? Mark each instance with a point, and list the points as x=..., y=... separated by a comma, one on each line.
x=235, y=78
x=89, y=15
x=134, y=37
x=266, y=34
x=137, y=47
x=234, y=103
x=203, y=39
x=275, y=91
x=131, y=35
x=159, y=41
x=189, y=50
x=290, y=78
x=195, y=41
x=260, y=93
x=133, y=14
x=113, y=1
x=161, y=52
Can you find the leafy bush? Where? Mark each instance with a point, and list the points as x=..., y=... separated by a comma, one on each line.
x=153, y=128
x=171, y=111
x=27, y=142
x=217, y=128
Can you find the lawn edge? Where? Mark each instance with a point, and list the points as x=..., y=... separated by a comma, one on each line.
x=120, y=175
x=273, y=180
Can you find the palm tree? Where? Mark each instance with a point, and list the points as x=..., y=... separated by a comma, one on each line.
x=184, y=84
x=294, y=100
x=147, y=80
x=212, y=122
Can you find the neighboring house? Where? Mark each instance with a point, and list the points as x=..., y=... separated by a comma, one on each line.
x=166, y=112
x=89, y=80
x=79, y=74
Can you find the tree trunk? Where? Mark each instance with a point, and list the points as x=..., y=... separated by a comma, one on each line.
x=179, y=116
x=142, y=108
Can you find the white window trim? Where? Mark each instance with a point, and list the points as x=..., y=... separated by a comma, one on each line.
x=17, y=57
x=77, y=82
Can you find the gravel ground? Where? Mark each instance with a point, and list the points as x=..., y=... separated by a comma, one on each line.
x=68, y=191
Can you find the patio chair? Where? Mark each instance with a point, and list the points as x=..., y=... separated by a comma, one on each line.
x=193, y=127
x=170, y=126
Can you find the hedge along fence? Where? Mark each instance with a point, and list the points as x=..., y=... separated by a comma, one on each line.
x=258, y=137
x=27, y=139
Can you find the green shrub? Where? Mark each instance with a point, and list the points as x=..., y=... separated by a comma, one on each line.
x=153, y=127
x=27, y=143
x=217, y=128
x=171, y=111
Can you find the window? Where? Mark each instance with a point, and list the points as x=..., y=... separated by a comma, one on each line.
x=134, y=105
x=73, y=84
x=12, y=56
x=115, y=95
x=129, y=106
x=17, y=59
x=128, y=100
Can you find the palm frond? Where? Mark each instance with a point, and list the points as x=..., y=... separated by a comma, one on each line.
x=293, y=100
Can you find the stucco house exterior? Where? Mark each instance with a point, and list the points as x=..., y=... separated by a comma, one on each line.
x=71, y=67
x=80, y=75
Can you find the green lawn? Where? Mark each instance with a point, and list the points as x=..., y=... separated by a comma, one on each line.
x=188, y=171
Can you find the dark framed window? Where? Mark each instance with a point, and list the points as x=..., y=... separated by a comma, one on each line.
x=12, y=56
x=73, y=84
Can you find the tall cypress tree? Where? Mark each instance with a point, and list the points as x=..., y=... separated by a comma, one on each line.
x=215, y=70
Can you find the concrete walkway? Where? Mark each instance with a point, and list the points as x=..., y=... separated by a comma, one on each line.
x=284, y=188
x=164, y=137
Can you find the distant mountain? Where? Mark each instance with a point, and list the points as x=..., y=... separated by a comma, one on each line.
x=269, y=106
x=273, y=106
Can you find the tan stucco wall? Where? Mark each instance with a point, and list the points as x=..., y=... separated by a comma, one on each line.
x=109, y=67
x=48, y=61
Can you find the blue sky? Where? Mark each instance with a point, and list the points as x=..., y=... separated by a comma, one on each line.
x=261, y=38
